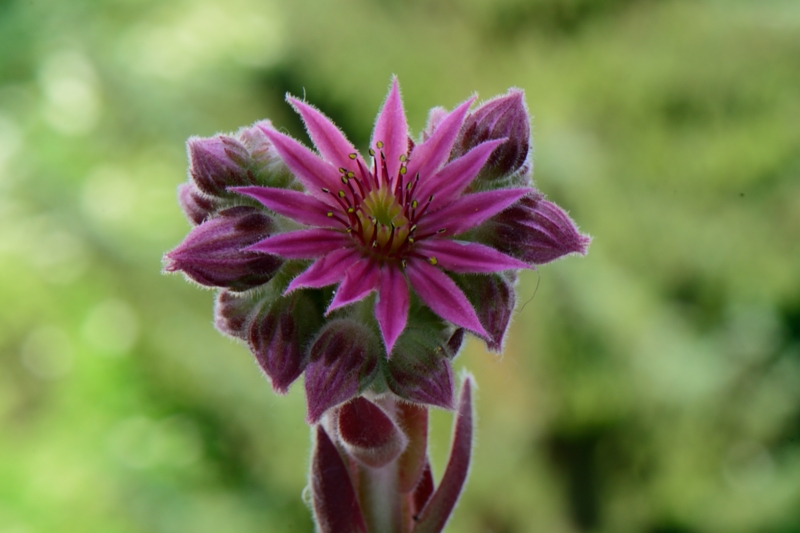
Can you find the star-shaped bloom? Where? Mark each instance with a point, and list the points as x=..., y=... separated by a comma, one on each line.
x=450, y=219
x=387, y=222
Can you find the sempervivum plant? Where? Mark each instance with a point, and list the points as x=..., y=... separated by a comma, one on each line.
x=363, y=272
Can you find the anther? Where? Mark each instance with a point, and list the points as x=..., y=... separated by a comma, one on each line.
x=351, y=209
x=403, y=158
x=440, y=231
x=432, y=260
x=372, y=152
x=403, y=170
x=403, y=263
x=353, y=156
x=379, y=144
x=344, y=179
x=350, y=175
x=413, y=228
x=330, y=213
x=411, y=240
x=342, y=170
x=414, y=204
x=342, y=194
x=326, y=191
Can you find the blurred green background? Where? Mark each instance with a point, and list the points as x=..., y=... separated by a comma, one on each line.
x=653, y=386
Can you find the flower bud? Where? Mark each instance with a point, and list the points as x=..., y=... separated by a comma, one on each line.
x=343, y=363
x=369, y=434
x=278, y=337
x=212, y=254
x=217, y=163
x=233, y=313
x=435, y=117
x=197, y=206
x=419, y=370
x=505, y=116
x=535, y=231
x=496, y=298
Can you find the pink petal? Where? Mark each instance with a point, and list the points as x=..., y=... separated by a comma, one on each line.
x=391, y=307
x=359, y=281
x=434, y=516
x=298, y=206
x=329, y=140
x=465, y=257
x=303, y=244
x=431, y=154
x=468, y=211
x=392, y=130
x=314, y=173
x=336, y=506
x=442, y=295
x=454, y=177
x=326, y=270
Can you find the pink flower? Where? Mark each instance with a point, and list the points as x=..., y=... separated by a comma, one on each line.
x=391, y=221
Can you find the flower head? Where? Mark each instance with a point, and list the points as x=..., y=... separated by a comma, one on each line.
x=436, y=230
x=390, y=221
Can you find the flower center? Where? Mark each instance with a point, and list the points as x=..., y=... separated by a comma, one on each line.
x=382, y=221
x=378, y=210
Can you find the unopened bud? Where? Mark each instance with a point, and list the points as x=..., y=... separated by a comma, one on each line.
x=535, y=231
x=435, y=117
x=212, y=254
x=505, y=116
x=496, y=297
x=217, y=163
x=197, y=206
x=277, y=337
x=420, y=370
x=343, y=363
x=233, y=313
x=369, y=434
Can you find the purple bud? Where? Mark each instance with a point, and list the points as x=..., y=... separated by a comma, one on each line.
x=217, y=163
x=368, y=434
x=278, y=337
x=535, y=231
x=196, y=206
x=343, y=363
x=504, y=116
x=422, y=381
x=419, y=370
x=497, y=298
x=336, y=508
x=257, y=143
x=233, y=313
x=435, y=117
x=212, y=254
